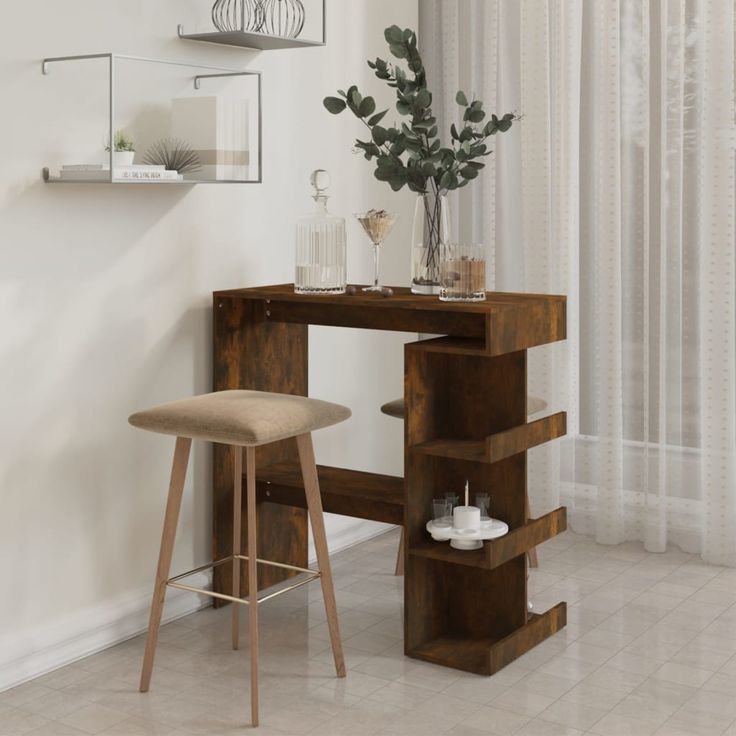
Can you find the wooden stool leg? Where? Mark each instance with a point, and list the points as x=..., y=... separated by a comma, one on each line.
x=171, y=518
x=314, y=505
x=400, y=555
x=250, y=467
x=237, y=521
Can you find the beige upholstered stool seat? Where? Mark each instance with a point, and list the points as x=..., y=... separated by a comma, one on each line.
x=245, y=418
x=396, y=408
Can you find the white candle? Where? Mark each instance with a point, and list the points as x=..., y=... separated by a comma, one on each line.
x=466, y=517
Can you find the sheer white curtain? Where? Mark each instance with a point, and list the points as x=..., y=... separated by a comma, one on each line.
x=618, y=189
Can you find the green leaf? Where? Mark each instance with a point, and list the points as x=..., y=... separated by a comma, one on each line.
x=367, y=107
x=491, y=127
x=453, y=132
x=461, y=99
x=377, y=118
x=398, y=51
x=403, y=108
x=394, y=35
x=477, y=115
x=398, y=147
x=445, y=180
x=356, y=98
x=422, y=98
x=380, y=135
x=469, y=172
x=334, y=105
x=383, y=174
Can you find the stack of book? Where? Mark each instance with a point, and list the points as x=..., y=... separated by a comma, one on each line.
x=101, y=172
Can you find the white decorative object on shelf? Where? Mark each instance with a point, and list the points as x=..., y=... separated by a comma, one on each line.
x=468, y=538
x=101, y=172
x=217, y=130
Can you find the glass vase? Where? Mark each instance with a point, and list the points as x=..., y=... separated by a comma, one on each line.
x=430, y=231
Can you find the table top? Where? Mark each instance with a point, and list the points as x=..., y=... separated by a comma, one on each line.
x=401, y=299
x=503, y=323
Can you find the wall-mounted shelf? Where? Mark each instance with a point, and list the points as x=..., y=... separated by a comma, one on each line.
x=153, y=99
x=249, y=40
x=256, y=40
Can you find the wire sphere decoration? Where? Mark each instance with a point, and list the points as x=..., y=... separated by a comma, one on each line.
x=282, y=17
x=237, y=15
x=174, y=155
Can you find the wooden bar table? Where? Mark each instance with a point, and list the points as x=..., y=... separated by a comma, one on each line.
x=466, y=412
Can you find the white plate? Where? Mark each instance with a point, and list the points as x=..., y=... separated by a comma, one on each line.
x=490, y=529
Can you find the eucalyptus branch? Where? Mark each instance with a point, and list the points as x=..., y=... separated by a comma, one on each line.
x=411, y=154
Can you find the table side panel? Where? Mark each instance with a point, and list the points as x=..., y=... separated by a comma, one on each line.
x=251, y=353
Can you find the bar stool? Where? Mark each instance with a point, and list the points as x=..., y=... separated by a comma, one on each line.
x=243, y=420
x=395, y=409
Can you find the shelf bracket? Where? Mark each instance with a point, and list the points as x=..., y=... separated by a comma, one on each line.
x=200, y=77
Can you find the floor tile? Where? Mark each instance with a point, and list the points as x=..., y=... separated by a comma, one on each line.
x=576, y=715
x=495, y=720
x=682, y=674
x=94, y=718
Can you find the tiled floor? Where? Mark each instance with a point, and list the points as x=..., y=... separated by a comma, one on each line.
x=650, y=648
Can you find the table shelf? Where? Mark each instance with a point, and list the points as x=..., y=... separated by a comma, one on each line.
x=486, y=655
x=500, y=445
x=496, y=552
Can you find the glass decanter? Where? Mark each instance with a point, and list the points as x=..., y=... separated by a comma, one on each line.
x=321, y=245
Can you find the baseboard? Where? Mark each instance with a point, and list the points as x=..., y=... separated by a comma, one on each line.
x=33, y=654
x=357, y=532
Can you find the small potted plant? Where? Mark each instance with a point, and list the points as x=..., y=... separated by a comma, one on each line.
x=124, y=152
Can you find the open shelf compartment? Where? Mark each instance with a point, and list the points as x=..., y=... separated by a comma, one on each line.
x=485, y=655
x=496, y=552
x=500, y=445
x=213, y=112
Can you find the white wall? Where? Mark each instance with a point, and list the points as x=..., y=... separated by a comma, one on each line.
x=105, y=308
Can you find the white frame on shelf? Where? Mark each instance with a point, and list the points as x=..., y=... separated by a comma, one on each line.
x=214, y=72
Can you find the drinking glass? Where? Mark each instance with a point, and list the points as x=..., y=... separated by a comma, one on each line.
x=462, y=272
x=453, y=499
x=377, y=225
x=441, y=512
x=483, y=502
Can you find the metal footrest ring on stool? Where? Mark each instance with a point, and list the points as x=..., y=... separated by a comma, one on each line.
x=173, y=582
